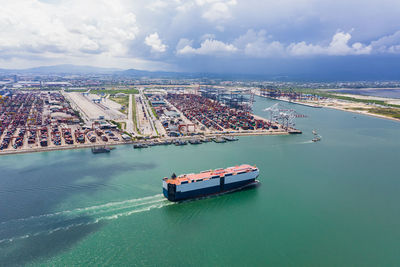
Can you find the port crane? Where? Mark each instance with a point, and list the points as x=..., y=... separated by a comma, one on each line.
x=283, y=115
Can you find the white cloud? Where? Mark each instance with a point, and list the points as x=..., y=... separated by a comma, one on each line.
x=118, y=31
x=218, y=10
x=256, y=44
x=207, y=36
x=70, y=27
x=339, y=46
x=214, y=11
x=210, y=10
x=264, y=49
x=154, y=41
x=388, y=44
x=185, y=6
x=208, y=47
x=158, y=5
x=183, y=42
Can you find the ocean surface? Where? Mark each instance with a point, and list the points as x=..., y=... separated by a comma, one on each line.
x=331, y=203
x=388, y=93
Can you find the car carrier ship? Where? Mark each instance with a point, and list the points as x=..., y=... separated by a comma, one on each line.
x=209, y=182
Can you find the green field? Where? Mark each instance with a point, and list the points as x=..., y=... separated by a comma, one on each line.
x=134, y=115
x=120, y=125
x=124, y=101
x=391, y=112
x=116, y=91
x=106, y=91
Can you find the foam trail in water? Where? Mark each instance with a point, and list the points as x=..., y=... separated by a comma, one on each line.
x=110, y=205
x=23, y=228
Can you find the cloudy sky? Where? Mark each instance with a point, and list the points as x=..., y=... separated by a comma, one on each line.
x=237, y=36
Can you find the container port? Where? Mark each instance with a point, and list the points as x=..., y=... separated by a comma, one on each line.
x=41, y=120
x=212, y=116
x=37, y=120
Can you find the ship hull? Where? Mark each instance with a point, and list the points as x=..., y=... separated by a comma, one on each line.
x=211, y=187
x=180, y=196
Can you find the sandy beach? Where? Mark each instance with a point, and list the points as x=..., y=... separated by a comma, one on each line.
x=349, y=106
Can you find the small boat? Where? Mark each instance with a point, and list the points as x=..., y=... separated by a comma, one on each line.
x=219, y=140
x=140, y=145
x=194, y=142
x=314, y=132
x=181, y=143
x=230, y=138
x=102, y=149
x=316, y=139
x=166, y=142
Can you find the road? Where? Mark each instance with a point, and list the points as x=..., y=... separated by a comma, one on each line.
x=129, y=121
x=152, y=118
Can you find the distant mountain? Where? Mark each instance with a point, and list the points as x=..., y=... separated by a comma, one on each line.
x=78, y=69
x=155, y=74
x=320, y=70
x=69, y=69
x=61, y=69
x=139, y=73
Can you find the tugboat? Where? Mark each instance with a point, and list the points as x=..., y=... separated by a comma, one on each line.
x=219, y=140
x=194, y=142
x=140, y=145
x=101, y=149
x=230, y=138
x=181, y=143
x=316, y=139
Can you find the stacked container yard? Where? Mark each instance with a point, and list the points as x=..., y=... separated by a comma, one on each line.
x=91, y=136
x=22, y=116
x=67, y=136
x=56, y=135
x=214, y=115
x=43, y=136
x=79, y=136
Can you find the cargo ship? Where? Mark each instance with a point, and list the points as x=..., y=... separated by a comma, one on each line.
x=209, y=182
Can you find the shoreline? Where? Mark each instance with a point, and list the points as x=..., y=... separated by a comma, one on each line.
x=367, y=89
x=336, y=108
x=85, y=146
x=292, y=102
x=364, y=113
x=58, y=148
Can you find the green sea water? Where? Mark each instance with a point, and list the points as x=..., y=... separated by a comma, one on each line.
x=331, y=203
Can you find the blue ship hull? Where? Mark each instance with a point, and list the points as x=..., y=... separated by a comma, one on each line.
x=173, y=195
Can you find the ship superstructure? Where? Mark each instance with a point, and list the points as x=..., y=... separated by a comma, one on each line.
x=209, y=182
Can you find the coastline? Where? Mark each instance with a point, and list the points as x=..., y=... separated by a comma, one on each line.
x=335, y=107
x=364, y=113
x=57, y=148
x=85, y=146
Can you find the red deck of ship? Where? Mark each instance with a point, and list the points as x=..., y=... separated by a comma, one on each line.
x=205, y=175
